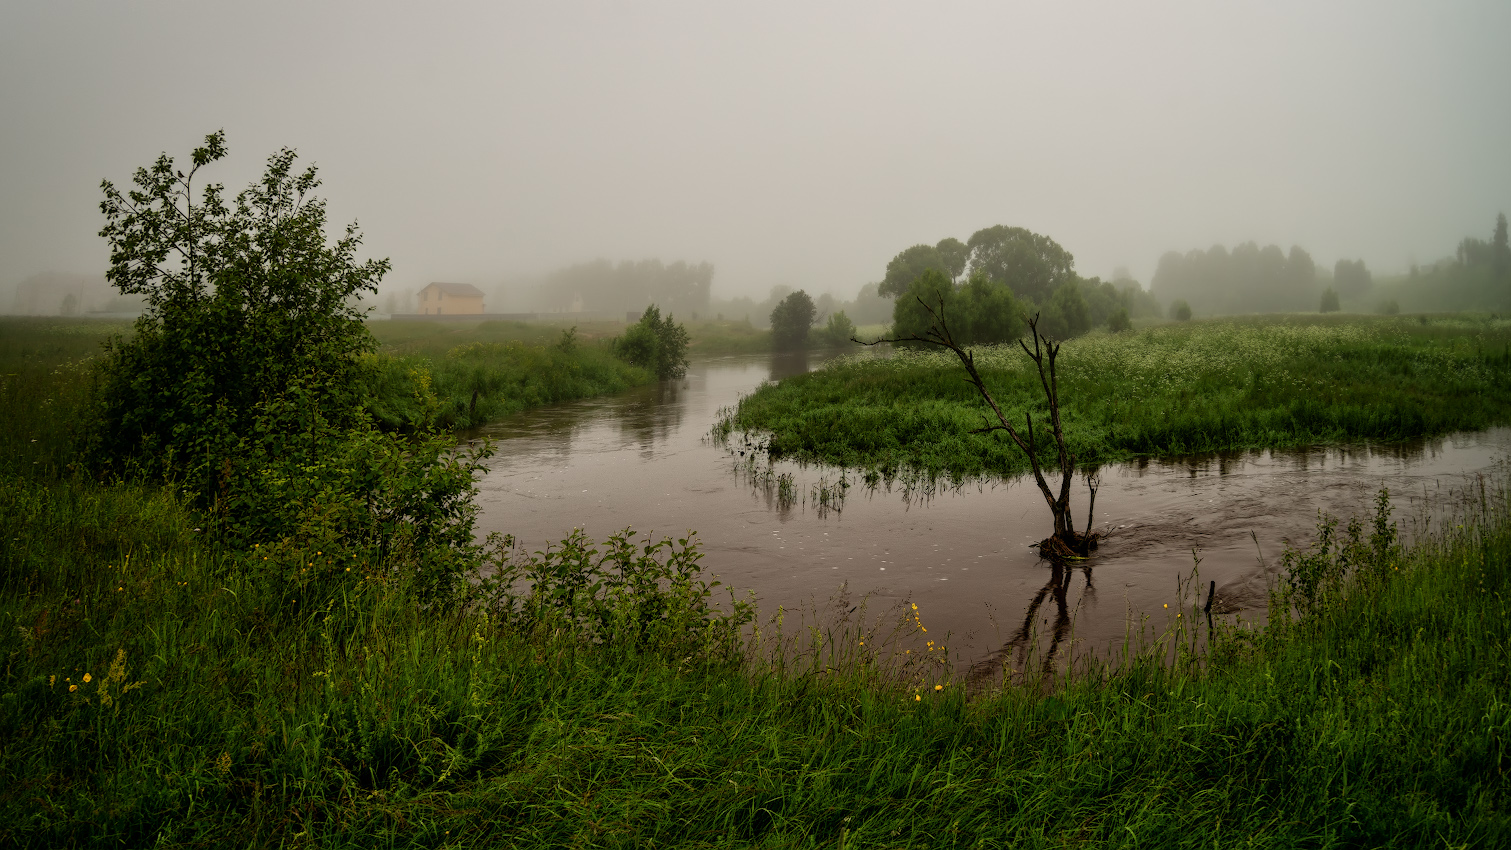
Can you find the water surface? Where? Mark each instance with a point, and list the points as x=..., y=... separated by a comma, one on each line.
x=644, y=460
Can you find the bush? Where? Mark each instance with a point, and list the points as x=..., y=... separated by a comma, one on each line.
x=1119, y=322
x=839, y=330
x=656, y=344
x=1330, y=301
x=1390, y=308
x=1180, y=311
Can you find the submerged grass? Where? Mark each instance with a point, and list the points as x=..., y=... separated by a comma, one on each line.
x=1263, y=382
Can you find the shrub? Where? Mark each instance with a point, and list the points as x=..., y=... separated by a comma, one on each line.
x=1119, y=322
x=655, y=343
x=1180, y=311
x=1330, y=301
x=839, y=329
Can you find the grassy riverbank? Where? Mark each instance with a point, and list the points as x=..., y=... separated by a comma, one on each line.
x=1262, y=382
x=152, y=694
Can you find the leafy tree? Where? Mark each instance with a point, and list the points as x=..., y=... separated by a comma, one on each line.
x=244, y=384
x=1119, y=321
x=981, y=311
x=1330, y=301
x=908, y=266
x=955, y=256
x=1030, y=264
x=791, y=320
x=1180, y=311
x=243, y=301
x=655, y=343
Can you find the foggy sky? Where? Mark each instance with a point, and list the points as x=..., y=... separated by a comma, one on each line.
x=787, y=143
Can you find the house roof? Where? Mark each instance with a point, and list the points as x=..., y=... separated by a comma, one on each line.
x=458, y=289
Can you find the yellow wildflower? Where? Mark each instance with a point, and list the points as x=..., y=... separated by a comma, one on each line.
x=939, y=687
x=87, y=678
x=917, y=698
x=72, y=688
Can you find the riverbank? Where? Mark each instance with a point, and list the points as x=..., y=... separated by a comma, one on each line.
x=1176, y=389
x=149, y=696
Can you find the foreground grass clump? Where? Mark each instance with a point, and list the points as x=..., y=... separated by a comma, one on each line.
x=153, y=693
x=1263, y=382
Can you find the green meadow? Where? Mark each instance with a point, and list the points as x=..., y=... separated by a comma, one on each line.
x=1172, y=389
x=159, y=690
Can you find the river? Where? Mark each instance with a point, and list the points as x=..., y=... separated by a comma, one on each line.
x=644, y=460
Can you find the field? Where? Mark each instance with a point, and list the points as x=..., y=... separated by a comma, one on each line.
x=155, y=691
x=1174, y=389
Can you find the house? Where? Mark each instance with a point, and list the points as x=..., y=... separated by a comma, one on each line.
x=451, y=299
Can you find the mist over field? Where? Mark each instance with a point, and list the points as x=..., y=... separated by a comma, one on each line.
x=783, y=145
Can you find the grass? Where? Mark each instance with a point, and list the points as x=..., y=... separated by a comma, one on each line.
x=1221, y=385
x=150, y=695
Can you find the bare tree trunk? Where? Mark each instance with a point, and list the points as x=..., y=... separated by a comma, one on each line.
x=1065, y=541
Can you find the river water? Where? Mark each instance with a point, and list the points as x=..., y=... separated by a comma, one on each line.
x=644, y=460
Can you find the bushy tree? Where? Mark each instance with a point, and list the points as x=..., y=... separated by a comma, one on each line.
x=1352, y=278
x=1330, y=301
x=655, y=343
x=911, y=263
x=244, y=383
x=1030, y=264
x=1180, y=311
x=242, y=301
x=791, y=320
x=1119, y=321
x=981, y=311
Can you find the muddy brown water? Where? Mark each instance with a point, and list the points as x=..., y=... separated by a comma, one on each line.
x=644, y=460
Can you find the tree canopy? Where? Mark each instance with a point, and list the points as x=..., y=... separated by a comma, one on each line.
x=791, y=320
x=1032, y=265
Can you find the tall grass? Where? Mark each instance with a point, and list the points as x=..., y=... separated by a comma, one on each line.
x=150, y=695
x=1174, y=389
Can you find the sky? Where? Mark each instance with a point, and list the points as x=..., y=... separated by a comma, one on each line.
x=801, y=144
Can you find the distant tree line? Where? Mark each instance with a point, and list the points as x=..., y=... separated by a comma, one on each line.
x=1247, y=279
x=1476, y=277
x=630, y=286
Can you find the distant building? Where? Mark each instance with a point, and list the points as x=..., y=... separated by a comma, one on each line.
x=451, y=299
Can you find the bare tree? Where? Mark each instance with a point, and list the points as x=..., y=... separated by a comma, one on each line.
x=1066, y=542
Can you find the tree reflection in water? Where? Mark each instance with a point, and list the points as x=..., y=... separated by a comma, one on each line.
x=1014, y=659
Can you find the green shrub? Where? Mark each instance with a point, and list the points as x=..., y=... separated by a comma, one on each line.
x=1180, y=311
x=655, y=344
x=1330, y=301
x=1119, y=321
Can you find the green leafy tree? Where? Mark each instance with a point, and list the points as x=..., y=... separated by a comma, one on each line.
x=1066, y=315
x=791, y=320
x=1119, y=321
x=981, y=311
x=908, y=266
x=243, y=300
x=955, y=256
x=1032, y=265
x=655, y=343
x=1330, y=301
x=1180, y=311
x=244, y=383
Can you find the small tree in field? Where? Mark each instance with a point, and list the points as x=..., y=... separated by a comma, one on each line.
x=655, y=343
x=1330, y=301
